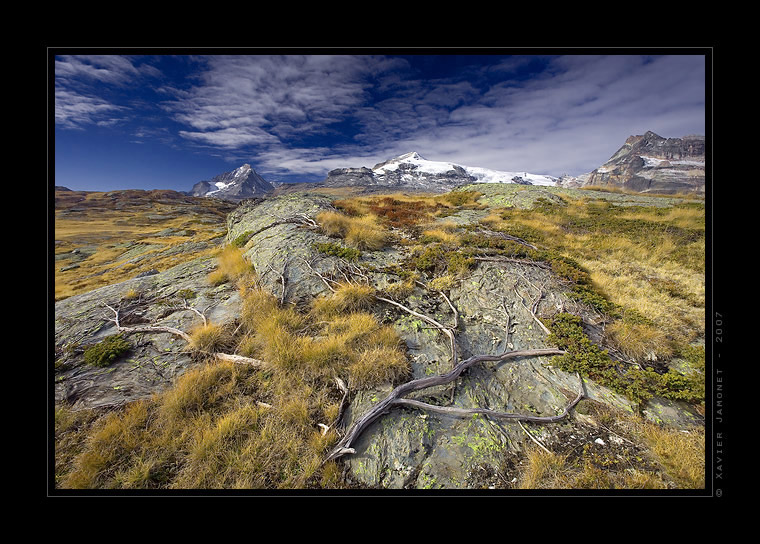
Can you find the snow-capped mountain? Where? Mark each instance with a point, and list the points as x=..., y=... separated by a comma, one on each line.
x=243, y=182
x=412, y=171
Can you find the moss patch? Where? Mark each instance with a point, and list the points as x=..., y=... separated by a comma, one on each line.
x=106, y=351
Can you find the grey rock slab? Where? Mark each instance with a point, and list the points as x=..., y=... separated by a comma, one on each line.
x=155, y=359
x=408, y=448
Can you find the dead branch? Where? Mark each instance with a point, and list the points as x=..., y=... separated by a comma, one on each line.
x=146, y=328
x=507, y=332
x=232, y=358
x=241, y=360
x=298, y=219
x=344, y=389
x=467, y=412
x=397, y=395
x=536, y=440
x=502, y=259
x=323, y=278
x=531, y=311
x=188, y=307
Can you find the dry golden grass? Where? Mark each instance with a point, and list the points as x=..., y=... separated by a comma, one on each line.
x=363, y=233
x=645, y=259
x=209, y=433
x=225, y=425
x=662, y=458
x=443, y=234
x=231, y=266
x=682, y=454
x=542, y=470
x=208, y=337
x=348, y=297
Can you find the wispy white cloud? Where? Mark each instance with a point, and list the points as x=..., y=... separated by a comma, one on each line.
x=284, y=96
x=570, y=117
x=74, y=110
x=82, y=84
x=112, y=69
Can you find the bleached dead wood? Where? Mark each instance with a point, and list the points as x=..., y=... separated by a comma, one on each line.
x=241, y=360
x=146, y=328
x=446, y=330
x=228, y=357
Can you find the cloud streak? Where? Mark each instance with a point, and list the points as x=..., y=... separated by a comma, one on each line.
x=75, y=111
x=243, y=97
x=83, y=84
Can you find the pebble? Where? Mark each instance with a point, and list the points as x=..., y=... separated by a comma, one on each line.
x=599, y=441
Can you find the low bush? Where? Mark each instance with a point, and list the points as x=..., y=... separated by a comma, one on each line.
x=638, y=384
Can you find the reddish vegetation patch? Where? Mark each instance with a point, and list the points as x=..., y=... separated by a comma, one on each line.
x=399, y=213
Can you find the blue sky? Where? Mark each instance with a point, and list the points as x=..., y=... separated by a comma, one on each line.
x=130, y=120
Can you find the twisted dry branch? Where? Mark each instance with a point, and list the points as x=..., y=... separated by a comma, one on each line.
x=396, y=397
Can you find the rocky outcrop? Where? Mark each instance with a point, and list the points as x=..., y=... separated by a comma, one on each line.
x=651, y=163
x=404, y=176
x=350, y=177
x=408, y=448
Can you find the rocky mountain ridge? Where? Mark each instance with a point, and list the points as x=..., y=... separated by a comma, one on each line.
x=645, y=163
x=649, y=163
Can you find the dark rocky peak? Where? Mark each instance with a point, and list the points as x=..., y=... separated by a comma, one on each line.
x=243, y=182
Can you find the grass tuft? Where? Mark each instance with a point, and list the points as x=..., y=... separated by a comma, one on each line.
x=208, y=337
x=231, y=266
x=348, y=297
x=363, y=233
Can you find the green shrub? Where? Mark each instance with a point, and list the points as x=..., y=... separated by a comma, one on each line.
x=638, y=384
x=337, y=250
x=106, y=351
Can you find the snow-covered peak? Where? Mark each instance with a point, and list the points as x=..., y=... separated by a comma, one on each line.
x=413, y=156
x=243, y=170
x=421, y=165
